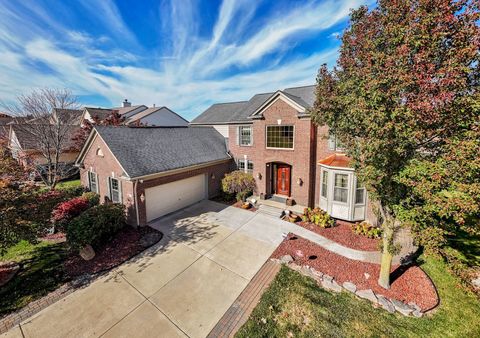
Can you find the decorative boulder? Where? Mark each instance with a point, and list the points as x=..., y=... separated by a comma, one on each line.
x=386, y=304
x=401, y=307
x=367, y=294
x=331, y=285
x=87, y=252
x=286, y=259
x=349, y=286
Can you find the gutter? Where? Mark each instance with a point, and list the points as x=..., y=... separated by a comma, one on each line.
x=135, y=200
x=179, y=170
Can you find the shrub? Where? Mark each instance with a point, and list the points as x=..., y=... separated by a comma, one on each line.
x=239, y=183
x=66, y=211
x=318, y=217
x=366, y=229
x=96, y=225
x=92, y=198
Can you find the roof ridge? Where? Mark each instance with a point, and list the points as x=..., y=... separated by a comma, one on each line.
x=312, y=85
x=232, y=102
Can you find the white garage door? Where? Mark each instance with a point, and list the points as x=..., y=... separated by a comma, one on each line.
x=170, y=197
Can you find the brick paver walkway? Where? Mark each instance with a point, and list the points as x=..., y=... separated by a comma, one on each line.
x=243, y=306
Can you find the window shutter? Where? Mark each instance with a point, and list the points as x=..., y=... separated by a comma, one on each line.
x=89, y=182
x=120, y=194
x=331, y=142
x=251, y=135
x=97, y=188
x=109, y=195
x=237, y=138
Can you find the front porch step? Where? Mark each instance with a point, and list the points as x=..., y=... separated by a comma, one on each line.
x=270, y=211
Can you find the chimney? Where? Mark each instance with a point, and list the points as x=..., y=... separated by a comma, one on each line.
x=126, y=103
x=154, y=105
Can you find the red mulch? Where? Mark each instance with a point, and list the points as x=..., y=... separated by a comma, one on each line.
x=239, y=205
x=343, y=234
x=123, y=246
x=409, y=284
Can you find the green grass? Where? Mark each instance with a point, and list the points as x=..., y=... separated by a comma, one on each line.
x=295, y=306
x=41, y=271
x=468, y=246
x=68, y=184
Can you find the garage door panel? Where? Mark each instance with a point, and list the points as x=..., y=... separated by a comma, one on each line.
x=169, y=197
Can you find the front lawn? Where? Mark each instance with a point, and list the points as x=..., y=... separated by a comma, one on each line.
x=294, y=306
x=41, y=271
x=69, y=184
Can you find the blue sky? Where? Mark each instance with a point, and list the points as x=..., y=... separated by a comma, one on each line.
x=179, y=53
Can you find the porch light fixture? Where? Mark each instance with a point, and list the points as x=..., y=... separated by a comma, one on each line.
x=259, y=176
x=142, y=197
x=212, y=176
x=299, y=181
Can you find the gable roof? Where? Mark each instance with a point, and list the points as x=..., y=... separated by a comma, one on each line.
x=68, y=116
x=27, y=137
x=99, y=113
x=224, y=113
x=148, y=151
x=126, y=110
x=148, y=111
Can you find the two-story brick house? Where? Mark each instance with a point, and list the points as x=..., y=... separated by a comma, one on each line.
x=272, y=136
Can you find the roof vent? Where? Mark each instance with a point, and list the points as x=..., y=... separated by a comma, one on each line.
x=126, y=103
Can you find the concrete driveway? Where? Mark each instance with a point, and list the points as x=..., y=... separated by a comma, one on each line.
x=180, y=287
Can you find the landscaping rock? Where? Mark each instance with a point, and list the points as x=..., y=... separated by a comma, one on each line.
x=7, y=272
x=306, y=271
x=349, y=287
x=331, y=285
x=367, y=275
x=417, y=313
x=286, y=259
x=367, y=294
x=317, y=274
x=401, y=307
x=87, y=252
x=150, y=239
x=327, y=278
x=476, y=282
x=386, y=304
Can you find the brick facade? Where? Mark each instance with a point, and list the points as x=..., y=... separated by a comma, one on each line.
x=100, y=160
x=310, y=145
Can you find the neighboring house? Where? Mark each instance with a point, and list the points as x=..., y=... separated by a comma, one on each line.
x=137, y=115
x=153, y=171
x=23, y=145
x=5, y=119
x=67, y=116
x=157, y=116
x=272, y=136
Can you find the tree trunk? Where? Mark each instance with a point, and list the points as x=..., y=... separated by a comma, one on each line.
x=387, y=256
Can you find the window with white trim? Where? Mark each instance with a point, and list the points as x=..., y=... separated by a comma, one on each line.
x=241, y=166
x=340, y=190
x=359, y=193
x=324, y=184
x=92, y=181
x=115, y=194
x=280, y=137
x=245, y=135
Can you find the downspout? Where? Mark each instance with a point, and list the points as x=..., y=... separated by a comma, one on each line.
x=135, y=199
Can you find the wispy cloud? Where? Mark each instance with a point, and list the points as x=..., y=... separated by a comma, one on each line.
x=242, y=52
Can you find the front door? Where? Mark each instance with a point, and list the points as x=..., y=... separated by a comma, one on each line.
x=283, y=180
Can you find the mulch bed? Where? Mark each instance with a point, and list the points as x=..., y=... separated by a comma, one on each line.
x=343, y=234
x=126, y=244
x=409, y=284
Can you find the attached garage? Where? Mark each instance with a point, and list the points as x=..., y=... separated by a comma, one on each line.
x=169, y=197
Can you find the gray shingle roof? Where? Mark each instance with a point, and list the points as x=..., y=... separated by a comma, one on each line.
x=145, y=151
x=151, y=110
x=240, y=111
x=220, y=112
